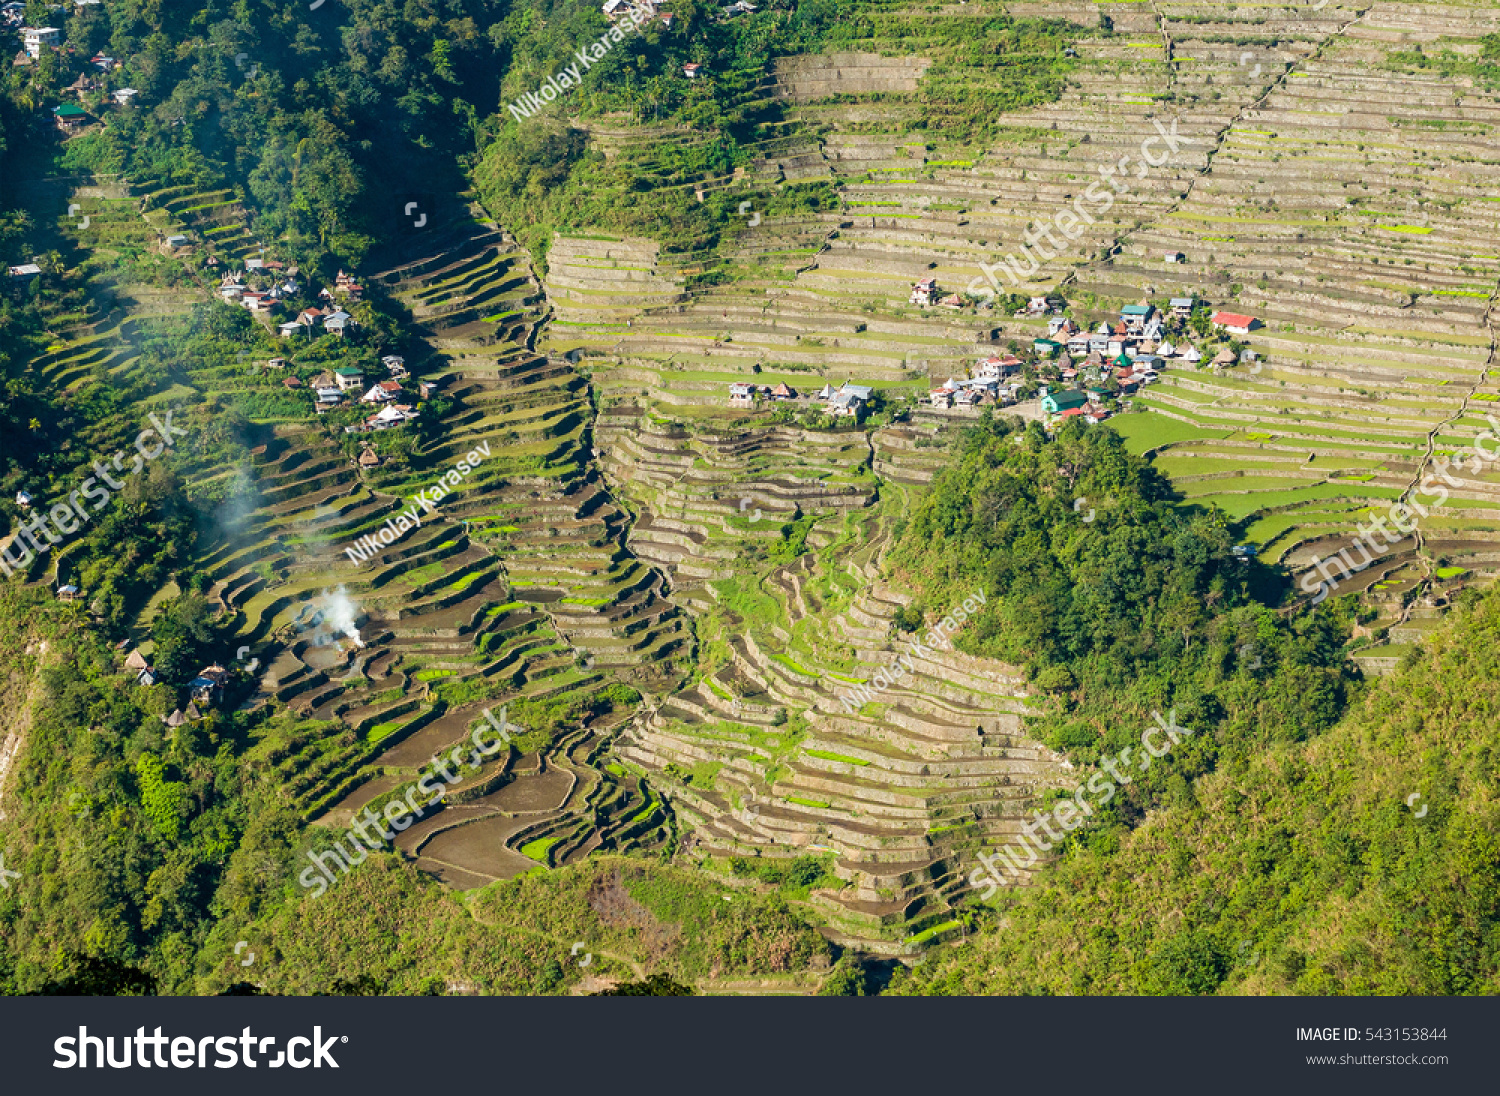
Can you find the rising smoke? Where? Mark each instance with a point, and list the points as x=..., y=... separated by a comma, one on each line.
x=335, y=614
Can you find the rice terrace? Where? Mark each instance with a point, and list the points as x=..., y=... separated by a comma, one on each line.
x=702, y=519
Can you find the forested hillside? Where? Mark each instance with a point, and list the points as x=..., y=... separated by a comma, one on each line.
x=1363, y=861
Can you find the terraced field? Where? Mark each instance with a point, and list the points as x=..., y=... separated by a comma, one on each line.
x=626, y=527
x=1333, y=176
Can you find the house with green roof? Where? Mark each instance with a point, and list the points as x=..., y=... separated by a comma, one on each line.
x=1055, y=403
x=69, y=115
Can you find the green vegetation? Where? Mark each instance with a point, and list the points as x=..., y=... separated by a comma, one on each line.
x=1297, y=870
x=1142, y=610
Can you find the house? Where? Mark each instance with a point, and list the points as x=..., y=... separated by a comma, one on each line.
x=1134, y=316
x=338, y=322
x=824, y=393
x=1060, y=325
x=276, y=363
x=34, y=38
x=618, y=9
x=1182, y=306
x=23, y=500
x=1056, y=403
x=310, y=317
x=178, y=240
x=69, y=116
x=1192, y=355
x=1046, y=347
x=1037, y=306
x=921, y=293
x=258, y=302
x=69, y=593
x=147, y=677
x=1223, y=358
x=691, y=69
x=209, y=684
x=783, y=392
x=849, y=401
x=1174, y=257
x=953, y=300
x=290, y=328
x=666, y=18
x=394, y=364
x=291, y=382
x=1166, y=350
x=943, y=397
x=25, y=272
x=383, y=392
x=1093, y=414
x=123, y=95
x=136, y=661
x=104, y=63
x=347, y=378
x=741, y=394
x=176, y=719
x=1234, y=322
x=739, y=7
x=1078, y=343
x=83, y=85
x=425, y=389
x=328, y=396
x=368, y=458
x=391, y=415
x=346, y=286
x=994, y=369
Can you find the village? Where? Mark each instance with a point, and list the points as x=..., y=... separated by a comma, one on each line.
x=1081, y=371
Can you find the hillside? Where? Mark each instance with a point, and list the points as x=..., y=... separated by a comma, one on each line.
x=1361, y=862
x=627, y=425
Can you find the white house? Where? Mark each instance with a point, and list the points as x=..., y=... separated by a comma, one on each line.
x=1234, y=322
x=34, y=38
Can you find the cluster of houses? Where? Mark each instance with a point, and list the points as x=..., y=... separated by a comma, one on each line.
x=267, y=283
x=991, y=385
x=206, y=688
x=331, y=389
x=1131, y=352
x=846, y=401
x=923, y=292
x=616, y=10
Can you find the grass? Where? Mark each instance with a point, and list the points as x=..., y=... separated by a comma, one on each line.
x=927, y=934
x=537, y=850
x=826, y=755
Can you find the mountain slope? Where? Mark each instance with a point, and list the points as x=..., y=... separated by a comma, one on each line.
x=1302, y=871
